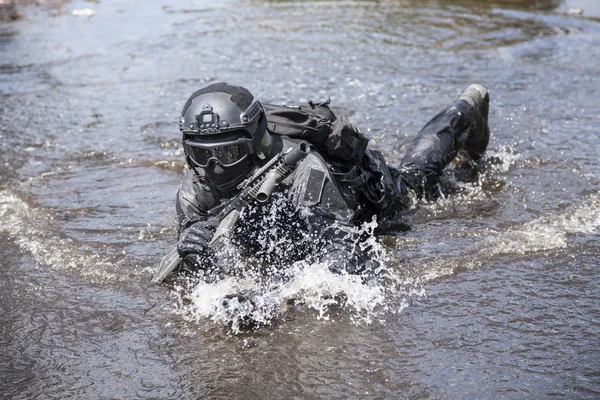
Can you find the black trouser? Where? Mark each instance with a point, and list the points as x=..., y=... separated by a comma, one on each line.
x=458, y=127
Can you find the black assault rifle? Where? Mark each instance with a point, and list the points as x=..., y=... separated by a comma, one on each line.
x=258, y=187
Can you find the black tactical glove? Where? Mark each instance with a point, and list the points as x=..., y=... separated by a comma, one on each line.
x=193, y=245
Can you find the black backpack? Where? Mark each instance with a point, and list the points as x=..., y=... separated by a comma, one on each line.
x=364, y=171
x=318, y=125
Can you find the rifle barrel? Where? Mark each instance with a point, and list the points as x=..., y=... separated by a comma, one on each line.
x=296, y=154
x=268, y=185
x=276, y=175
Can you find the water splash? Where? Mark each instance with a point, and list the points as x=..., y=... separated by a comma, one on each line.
x=32, y=230
x=547, y=233
x=310, y=285
x=467, y=191
x=502, y=159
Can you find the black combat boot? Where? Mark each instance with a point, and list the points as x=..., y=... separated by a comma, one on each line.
x=478, y=137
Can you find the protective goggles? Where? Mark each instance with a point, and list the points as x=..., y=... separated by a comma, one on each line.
x=226, y=154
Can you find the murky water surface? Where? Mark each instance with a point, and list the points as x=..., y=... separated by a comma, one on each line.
x=493, y=293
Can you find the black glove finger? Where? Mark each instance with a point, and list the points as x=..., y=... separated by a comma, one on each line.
x=190, y=237
x=185, y=248
x=199, y=231
x=196, y=235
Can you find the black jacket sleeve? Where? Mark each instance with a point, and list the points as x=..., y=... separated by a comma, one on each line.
x=196, y=225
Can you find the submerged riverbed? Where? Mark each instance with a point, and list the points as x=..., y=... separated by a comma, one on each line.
x=494, y=291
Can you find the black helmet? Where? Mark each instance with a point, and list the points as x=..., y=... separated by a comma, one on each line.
x=224, y=132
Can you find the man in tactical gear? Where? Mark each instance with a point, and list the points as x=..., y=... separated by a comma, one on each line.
x=331, y=182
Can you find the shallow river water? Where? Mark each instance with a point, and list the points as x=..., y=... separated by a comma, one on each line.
x=493, y=292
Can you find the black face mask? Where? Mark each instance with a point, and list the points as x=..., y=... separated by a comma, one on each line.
x=227, y=178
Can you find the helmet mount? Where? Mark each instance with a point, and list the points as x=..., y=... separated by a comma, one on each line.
x=208, y=120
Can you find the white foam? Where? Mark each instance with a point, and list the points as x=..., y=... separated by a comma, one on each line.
x=546, y=233
x=311, y=285
x=31, y=230
x=549, y=232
